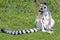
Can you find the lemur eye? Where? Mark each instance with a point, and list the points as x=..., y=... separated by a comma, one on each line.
x=44, y=7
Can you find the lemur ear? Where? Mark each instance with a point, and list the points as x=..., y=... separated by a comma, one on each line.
x=44, y=3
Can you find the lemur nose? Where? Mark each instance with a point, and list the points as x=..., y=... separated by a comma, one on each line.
x=41, y=8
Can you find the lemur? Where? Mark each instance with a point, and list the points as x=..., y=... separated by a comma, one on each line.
x=44, y=22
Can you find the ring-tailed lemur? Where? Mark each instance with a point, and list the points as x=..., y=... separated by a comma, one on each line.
x=43, y=22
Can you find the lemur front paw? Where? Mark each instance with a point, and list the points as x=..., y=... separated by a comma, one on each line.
x=43, y=30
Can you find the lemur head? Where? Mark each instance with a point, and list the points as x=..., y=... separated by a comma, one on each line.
x=43, y=8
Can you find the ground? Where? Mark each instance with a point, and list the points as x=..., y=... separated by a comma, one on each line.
x=21, y=14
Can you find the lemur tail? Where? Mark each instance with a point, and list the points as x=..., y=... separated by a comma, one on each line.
x=16, y=32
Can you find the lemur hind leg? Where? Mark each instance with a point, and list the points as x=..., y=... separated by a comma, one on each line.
x=52, y=24
x=50, y=27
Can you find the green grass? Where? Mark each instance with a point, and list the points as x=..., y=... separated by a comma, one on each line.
x=21, y=14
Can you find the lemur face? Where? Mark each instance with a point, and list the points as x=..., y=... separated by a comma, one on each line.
x=43, y=8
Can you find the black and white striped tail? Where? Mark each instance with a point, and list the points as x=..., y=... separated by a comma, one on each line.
x=16, y=32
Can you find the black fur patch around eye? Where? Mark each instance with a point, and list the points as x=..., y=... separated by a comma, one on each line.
x=44, y=7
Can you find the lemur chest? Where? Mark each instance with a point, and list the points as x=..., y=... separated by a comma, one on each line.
x=45, y=18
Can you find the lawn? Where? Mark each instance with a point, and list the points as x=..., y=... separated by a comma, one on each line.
x=21, y=14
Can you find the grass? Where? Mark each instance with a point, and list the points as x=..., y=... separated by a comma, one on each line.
x=21, y=14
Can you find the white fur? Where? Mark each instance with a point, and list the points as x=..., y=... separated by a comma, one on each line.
x=24, y=31
x=28, y=31
x=31, y=30
x=35, y=29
